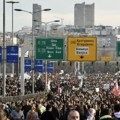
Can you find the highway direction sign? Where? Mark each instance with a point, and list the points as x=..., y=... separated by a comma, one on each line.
x=49, y=48
x=118, y=48
x=82, y=48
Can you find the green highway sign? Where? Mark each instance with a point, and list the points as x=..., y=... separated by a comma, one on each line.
x=49, y=48
x=118, y=49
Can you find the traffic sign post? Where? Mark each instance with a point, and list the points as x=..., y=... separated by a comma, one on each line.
x=49, y=48
x=39, y=66
x=82, y=48
x=50, y=67
x=23, y=51
x=0, y=54
x=28, y=65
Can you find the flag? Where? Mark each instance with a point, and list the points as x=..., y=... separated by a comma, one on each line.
x=59, y=88
x=116, y=90
x=56, y=77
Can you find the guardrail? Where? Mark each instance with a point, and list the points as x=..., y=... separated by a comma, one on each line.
x=24, y=97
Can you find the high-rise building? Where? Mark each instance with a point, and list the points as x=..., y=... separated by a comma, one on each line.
x=84, y=15
x=36, y=16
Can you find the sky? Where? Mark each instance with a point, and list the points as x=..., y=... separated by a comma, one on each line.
x=107, y=12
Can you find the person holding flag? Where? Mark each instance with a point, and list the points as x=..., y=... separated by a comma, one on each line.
x=116, y=90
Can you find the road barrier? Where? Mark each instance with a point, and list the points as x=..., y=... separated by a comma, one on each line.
x=24, y=97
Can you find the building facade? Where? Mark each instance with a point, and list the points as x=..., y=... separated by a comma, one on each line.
x=36, y=16
x=84, y=15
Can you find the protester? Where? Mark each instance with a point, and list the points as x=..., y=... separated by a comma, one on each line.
x=87, y=100
x=116, y=113
x=91, y=115
x=17, y=114
x=73, y=115
x=2, y=113
x=55, y=111
x=32, y=114
x=26, y=107
x=106, y=114
x=48, y=115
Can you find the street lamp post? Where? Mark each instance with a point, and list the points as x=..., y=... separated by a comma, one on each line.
x=46, y=23
x=12, y=2
x=4, y=52
x=32, y=43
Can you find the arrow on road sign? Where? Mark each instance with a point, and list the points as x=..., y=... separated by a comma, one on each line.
x=81, y=57
x=49, y=56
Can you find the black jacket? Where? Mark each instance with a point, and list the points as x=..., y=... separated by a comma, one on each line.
x=47, y=115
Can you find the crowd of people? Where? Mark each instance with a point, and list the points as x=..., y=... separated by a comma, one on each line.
x=69, y=100
x=13, y=85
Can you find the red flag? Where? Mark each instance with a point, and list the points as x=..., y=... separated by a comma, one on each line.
x=116, y=90
x=58, y=88
x=56, y=77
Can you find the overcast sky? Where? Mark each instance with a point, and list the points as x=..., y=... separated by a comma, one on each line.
x=107, y=12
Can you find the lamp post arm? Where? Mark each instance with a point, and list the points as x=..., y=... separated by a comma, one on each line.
x=27, y=11
x=46, y=23
x=32, y=12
